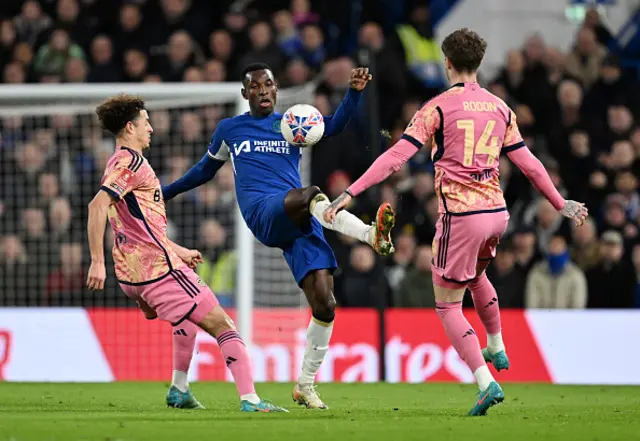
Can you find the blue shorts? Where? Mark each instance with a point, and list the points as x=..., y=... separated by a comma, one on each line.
x=305, y=249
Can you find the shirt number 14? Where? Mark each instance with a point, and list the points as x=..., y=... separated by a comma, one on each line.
x=472, y=148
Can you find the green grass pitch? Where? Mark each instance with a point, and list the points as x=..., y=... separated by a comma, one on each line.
x=389, y=412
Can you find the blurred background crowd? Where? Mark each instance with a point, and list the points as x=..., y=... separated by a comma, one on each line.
x=577, y=112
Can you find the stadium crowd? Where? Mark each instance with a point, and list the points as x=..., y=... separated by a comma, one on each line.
x=576, y=111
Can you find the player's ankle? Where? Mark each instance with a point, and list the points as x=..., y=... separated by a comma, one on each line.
x=494, y=343
x=252, y=398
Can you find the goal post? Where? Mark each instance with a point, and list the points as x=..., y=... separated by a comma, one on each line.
x=261, y=275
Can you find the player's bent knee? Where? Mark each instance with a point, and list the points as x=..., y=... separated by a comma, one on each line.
x=216, y=322
x=311, y=192
x=324, y=308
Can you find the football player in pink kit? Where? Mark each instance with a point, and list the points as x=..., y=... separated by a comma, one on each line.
x=466, y=128
x=152, y=270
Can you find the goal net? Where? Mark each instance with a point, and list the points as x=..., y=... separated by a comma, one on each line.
x=52, y=155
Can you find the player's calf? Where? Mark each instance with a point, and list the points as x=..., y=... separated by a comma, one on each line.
x=219, y=325
x=318, y=288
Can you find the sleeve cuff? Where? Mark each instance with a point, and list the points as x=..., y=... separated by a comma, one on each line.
x=110, y=192
x=513, y=147
x=412, y=140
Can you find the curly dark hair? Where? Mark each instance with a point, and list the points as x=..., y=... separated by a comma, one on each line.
x=465, y=49
x=117, y=111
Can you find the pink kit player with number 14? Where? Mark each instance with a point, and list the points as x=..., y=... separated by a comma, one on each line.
x=466, y=128
x=155, y=272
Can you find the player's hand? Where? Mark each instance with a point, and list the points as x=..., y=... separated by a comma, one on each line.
x=359, y=78
x=337, y=205
x=192, y=258
x=96, y=277
x=575, y=211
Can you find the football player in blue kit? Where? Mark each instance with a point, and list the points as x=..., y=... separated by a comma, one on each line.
x=283, y=214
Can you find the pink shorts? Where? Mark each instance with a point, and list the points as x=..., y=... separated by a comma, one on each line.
x=180, y=295
x=461, y=242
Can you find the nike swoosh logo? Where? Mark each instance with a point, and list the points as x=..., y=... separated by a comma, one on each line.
x=483, y=398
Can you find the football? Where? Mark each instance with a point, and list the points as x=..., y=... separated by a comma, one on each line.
x=302, y=125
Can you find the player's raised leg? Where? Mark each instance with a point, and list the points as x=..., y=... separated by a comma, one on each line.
x=310, y=201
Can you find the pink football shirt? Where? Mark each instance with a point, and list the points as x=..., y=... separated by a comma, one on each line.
x=468, y=127
x=141, y=251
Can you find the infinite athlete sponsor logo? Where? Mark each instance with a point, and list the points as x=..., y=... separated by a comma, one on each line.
x=273, y=146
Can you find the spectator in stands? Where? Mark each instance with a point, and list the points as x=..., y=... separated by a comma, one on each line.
x=615, y=216
x=193, y=74
x=549, y=223
x=620, y=120
x=23, y=53
x=75, y=71
x=564, y=118
x=215, y=71
x=263, y=49
x=297, y=73
x=60, y=218
x=415, y=290
x=8, y=40
x=31, y=23
x=235, y=23
x=14, y=73
x=586, y=57
x=52, y=56
x=17, y=286
x=287, y=34
x=37, y=246
x=65, y=285
x=612, y=281
x=70, y=18
x=593, y=21
x=400, y=260
x=420, y=52
x=555, y=62
x=312, y=50
x=302, y=12
x=556, y=282
x=610, y=88
x=181, y=55
x=135, y=66
x=525, y=248
x=391, y=82
x=219, y=267
x=130, y=32
x=362, y=280
x=507, y=277
x=626, y=184
x=103, y=69
x=221, y=48
x=48, y=187
x=192, y=137
x=585, y=248
x=178, y=15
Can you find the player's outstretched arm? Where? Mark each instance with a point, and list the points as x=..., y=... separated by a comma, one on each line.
x=98, y=211
x=386, y=164
x=538, y=176
x=199, y=174
x=336, y=123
